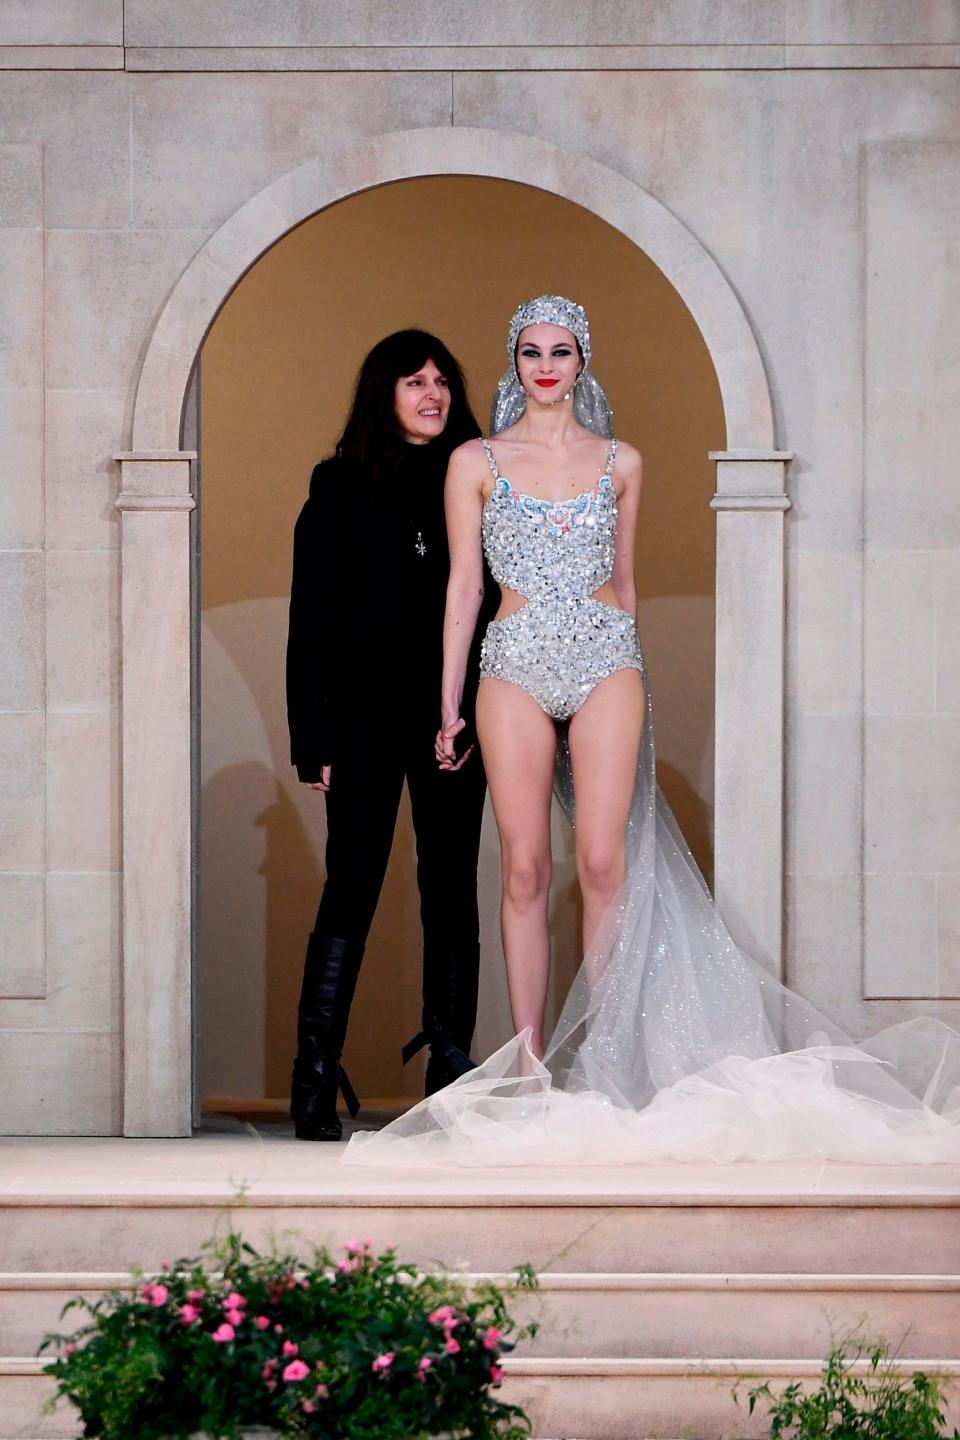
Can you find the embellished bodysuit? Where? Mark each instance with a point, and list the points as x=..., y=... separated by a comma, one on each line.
x=556, y=553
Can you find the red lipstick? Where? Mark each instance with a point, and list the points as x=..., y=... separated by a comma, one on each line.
x=547, y=384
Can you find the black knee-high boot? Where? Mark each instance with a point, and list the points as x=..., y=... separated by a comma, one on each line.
x=329, y=981
x=450, y=983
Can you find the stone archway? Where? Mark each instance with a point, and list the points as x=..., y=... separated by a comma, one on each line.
x=156, y=502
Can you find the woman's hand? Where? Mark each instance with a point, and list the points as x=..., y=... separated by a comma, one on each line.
x=323, y=783
x=444, y=746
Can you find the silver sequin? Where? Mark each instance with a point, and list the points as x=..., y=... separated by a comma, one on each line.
x=562, y=642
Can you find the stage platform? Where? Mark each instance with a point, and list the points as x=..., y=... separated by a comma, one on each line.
x=661, y=1286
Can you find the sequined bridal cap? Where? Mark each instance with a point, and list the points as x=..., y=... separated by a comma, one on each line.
x=590, y=405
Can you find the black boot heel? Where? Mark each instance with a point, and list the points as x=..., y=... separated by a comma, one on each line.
x=329, y=981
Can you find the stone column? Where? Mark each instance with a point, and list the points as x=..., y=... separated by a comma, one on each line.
x=155, y=500
x=748, y=840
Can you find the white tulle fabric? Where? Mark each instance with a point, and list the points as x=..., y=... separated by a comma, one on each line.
x=674, y=1045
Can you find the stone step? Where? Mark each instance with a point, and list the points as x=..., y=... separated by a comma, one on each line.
x=629, y=1233
x=629, y=1315
x=601, y=1399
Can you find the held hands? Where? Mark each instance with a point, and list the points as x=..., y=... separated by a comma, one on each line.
x=323, y=783
x=444, y=747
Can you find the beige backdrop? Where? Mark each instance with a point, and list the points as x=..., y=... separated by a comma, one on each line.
x=453, y=255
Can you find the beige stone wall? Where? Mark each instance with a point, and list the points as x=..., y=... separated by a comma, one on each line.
x=811, y=150
x=453, y=254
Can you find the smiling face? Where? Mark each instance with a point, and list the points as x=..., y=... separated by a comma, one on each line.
x=548, y=362
x=421, y=403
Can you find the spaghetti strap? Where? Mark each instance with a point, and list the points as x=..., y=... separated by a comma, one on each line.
x=491, y=459
x=611, y=458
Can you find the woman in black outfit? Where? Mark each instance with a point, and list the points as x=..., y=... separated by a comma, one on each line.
x=364, y=663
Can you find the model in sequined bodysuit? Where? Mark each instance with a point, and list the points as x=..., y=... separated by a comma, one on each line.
x=552, y=504
x=673, y=1044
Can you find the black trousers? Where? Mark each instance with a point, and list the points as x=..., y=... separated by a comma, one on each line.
x=362, y=806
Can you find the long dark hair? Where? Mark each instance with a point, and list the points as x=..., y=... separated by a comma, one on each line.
x=372, y=440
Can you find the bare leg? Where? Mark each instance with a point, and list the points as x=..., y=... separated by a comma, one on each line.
x=604, y=747
x=519, y=745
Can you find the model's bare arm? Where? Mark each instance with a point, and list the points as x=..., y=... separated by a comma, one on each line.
x=463, y=503
x=628, y=478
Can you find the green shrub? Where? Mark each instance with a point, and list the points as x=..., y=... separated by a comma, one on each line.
x=881, y=1403
x=357, y=1348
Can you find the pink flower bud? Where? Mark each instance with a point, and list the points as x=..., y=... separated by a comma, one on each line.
x=322, y=1393
x=296, y=1370
x=223, y=1333
x=290, y=1348
x=236, y=1317
x=69, y=1348
x=189, y=1314
x=382, y=1363
x=234, y=1301
x=496, y=1374
x=491, y=1338
x=309, y=1406
x=195, y=1296
x=425, y=1364
x=262, y=1322
x=452, y=1347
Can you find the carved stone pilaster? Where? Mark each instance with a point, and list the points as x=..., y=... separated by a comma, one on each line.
x=156, y=503
x=750, y=503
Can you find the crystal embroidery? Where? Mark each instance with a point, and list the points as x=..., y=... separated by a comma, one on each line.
x=555, y=553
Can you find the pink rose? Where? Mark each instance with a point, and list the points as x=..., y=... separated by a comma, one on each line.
x=425, y=1364
x=382, y=1363
x=491, y=1338
x=496, y=1374
x=223, y=1333
x=322, y=1392
x=189, y=1314
x=195, y=1296
x=441, y=1316
x=309, y=1406
x=296, y=1370
x=290, y=1348
x=155, y=1294
x=262, y=1322
x=234, y=1301
x=236, y=1317
x=452, y=1347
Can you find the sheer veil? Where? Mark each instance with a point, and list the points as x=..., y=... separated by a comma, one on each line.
x=675, y=1045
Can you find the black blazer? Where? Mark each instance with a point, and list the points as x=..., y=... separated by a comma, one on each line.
x=366, y=610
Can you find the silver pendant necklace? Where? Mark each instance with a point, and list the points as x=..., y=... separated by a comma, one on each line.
x=420, y=547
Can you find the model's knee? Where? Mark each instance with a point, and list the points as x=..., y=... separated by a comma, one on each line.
x=600, y=870
x=526, y=879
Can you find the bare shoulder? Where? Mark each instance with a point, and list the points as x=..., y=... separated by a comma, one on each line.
x=467, y=457
x=467, y=465
x=628, y=467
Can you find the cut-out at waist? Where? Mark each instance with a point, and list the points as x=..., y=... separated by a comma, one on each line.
x=511, y=600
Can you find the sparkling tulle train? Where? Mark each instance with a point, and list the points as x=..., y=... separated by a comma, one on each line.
x=674, y=1045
